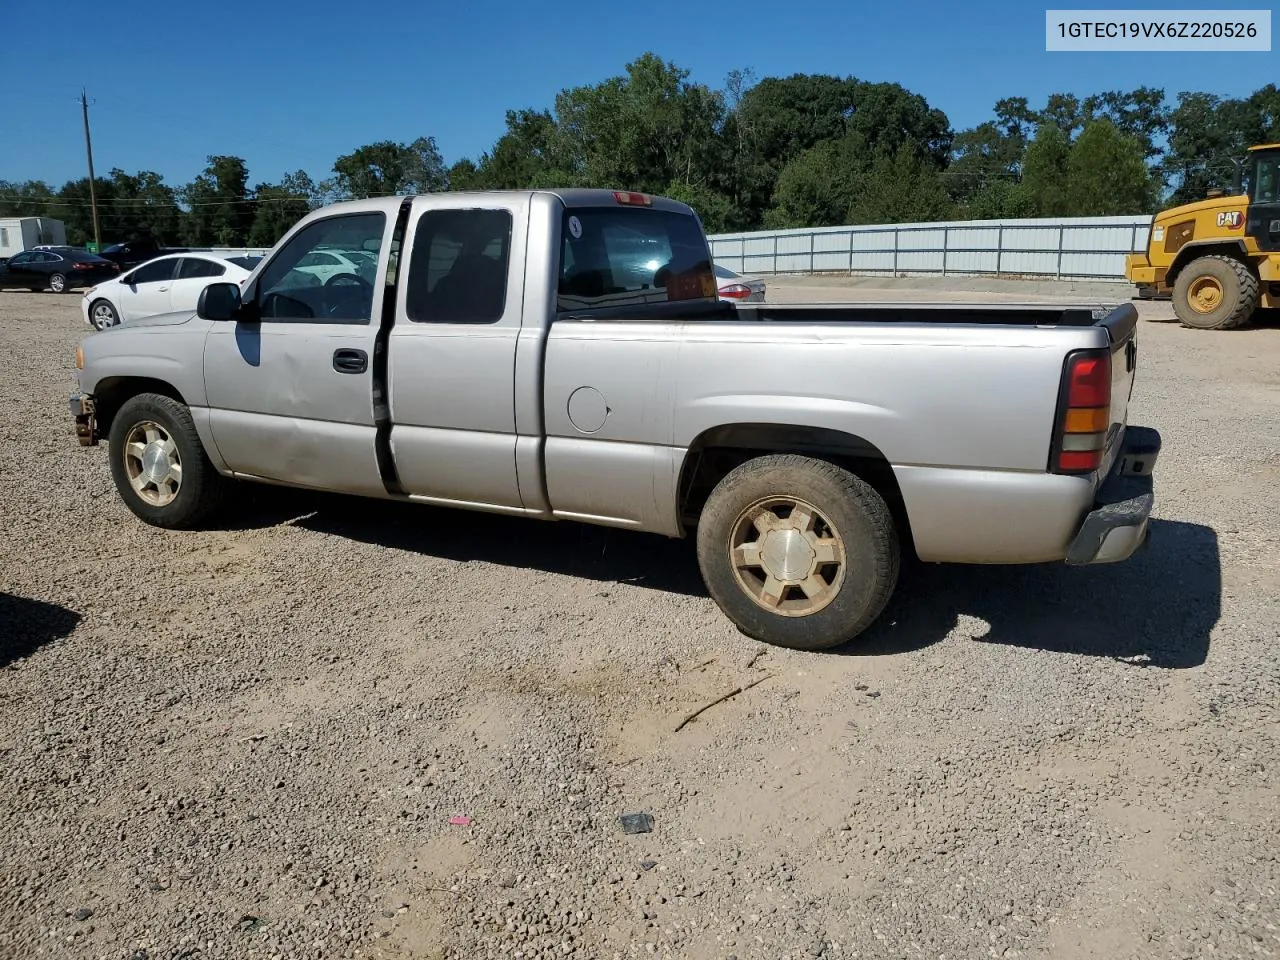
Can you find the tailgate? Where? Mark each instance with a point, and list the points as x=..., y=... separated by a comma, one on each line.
x=1121, y=324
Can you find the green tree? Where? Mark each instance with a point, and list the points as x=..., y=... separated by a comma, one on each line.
x=387, y=168
x=526, y=155
x=30, y=198
x=1015, y=119
x=713, y=208
x=1141, y=114
x=775, y=122
x=74, y=207
x=1064, y=111
x=986, y=161
x=899, y=187
x=1107, y=174
x=813, y=190
x=997, y=200
x=1209, y=135
x=465, y=175
x=142, y=206
x=221, y=213
x=277, y=207
x=640, y=131
x=1044, y=172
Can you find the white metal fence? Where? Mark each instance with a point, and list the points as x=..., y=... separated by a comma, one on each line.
x=1079, y=248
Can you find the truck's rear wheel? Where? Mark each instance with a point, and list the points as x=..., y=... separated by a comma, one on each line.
x=1215, y=293
x=159, y=465
x=798, y=552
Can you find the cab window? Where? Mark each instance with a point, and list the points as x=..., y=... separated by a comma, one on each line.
x=1265, y=189
x=613, y=257
x=290, y=288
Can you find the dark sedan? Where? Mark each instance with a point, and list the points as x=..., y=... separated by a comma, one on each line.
x=59, y=270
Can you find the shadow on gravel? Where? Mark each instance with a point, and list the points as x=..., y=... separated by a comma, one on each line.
x=574, y=549
x=27, y=625
x=1161, y=605
x=1157, y=608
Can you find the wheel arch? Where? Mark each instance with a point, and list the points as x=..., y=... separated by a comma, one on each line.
x=97, y=300
x=111, y=393
x=1206, y=248
x=719, y=449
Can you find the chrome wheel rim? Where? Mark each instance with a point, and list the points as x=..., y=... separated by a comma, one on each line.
x=152, y=464
x=103, y=316
x=787, y=556
x=57, y=283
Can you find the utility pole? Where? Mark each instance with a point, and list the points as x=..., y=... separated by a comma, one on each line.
x=93, y=193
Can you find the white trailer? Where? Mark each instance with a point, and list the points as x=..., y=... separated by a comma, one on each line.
x=23, y=233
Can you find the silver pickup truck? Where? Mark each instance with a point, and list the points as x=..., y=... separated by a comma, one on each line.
x=563, y=355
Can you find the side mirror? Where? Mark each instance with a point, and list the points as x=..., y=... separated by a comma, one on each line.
x=219, y=301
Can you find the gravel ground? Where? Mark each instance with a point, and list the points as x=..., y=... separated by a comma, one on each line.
x=251, y=742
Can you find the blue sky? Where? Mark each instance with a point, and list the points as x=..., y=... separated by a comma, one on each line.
x=290, y=85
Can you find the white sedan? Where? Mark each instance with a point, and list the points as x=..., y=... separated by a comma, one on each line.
x=736, y=287
x=163, y=285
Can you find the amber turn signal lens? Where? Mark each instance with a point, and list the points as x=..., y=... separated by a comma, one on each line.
x=1087, y=420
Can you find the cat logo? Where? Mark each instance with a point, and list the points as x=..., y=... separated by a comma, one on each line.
x=1231, y=219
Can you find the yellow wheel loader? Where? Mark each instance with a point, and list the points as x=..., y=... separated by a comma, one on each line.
x=1218, y=259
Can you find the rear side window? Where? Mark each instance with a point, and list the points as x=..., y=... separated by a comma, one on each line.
x=625, y=256
x=458, y=272
x=193, y=268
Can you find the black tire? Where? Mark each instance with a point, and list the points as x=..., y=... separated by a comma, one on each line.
x=847, y=507
x=108, y=312
x=58, y=283
x=200, y=491
x=1239, y=289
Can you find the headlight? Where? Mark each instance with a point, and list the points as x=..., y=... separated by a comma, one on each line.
x=89, y=291
x=79, y=357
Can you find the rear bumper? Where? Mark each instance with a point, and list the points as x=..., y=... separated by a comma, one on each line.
x=1118, y=524
x=85, y=413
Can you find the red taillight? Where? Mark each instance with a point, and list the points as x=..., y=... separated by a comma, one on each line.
x=1090, y=382
x=81, y=265
x=632, y=198
x=1085, y=415
x=736, y=291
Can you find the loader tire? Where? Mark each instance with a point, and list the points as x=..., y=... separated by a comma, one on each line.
x=1215, y=292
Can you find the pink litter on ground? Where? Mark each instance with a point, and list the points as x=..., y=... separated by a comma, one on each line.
x=460, y=821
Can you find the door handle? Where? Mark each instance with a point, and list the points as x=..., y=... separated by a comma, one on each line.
x=350, y=361
x=163, y=289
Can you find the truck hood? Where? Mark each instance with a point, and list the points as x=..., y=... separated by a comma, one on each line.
x=1208, y=205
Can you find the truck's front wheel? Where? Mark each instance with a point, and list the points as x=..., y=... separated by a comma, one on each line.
x=159, y=465
x=1215, y=293
x=798, y=552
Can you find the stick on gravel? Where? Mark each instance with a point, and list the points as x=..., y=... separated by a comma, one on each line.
x=721, y=699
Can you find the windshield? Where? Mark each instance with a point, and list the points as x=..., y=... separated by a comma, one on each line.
x=612, y=257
